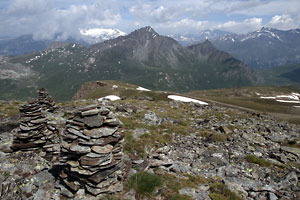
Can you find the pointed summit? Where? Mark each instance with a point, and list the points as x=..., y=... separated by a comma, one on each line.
x=204, y=48
x=207, y=43
x=146, y=29
x=145, y=32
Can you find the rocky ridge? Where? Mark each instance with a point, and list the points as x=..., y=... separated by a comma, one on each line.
x=252, y=154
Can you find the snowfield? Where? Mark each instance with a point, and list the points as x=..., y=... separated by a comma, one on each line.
x=186, y=99
x=99, y=32
x=110, y=97
x=268, y=97
x=142, y=89
x=284, y=101
x=294, y=98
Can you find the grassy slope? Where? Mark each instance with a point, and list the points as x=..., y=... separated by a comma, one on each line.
x=124, y=90
x=281, y=75
x=246, y=98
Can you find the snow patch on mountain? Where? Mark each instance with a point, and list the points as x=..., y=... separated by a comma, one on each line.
x=285, y=98
x=186, y=99
x=109, y=97
x=142, y=89
x=99, y=34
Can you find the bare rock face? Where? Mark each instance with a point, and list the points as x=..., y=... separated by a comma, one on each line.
x=92, y=152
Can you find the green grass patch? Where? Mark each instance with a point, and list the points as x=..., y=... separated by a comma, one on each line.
x=180, y=197
x=219, y=137
x=219, y=191
x=294, y=120
x=173, y=184
x=9, y=109
x=144, y=183
x=260, y=161
x=292, y=143
x=132, y=145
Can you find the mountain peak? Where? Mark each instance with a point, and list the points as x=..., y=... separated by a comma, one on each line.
x=146, y=30
x=207, y=42
x=265, y=29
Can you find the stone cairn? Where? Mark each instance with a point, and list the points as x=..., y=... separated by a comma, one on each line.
x=34, y=132
x=30, y=135
x=92, y=152
x=46, y=101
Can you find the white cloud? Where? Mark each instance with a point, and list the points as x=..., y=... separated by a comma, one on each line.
x=44, y=20
x=183, y=26
x=154, y=14
x=245, y=26
x=28, y=7
x=264, y=7
x=283, y=22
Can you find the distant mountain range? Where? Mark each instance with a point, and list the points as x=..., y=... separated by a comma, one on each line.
x=263, y=48
x=27, y=43
x=21, y=45
x=190, y=39
x=142, y=57
x=260, y=49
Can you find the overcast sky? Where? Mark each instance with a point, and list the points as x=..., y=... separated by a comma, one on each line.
x=45, y=18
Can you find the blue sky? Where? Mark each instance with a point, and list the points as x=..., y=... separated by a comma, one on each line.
x=45, y=18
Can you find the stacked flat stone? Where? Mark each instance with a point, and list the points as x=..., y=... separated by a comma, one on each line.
x=32, y=129
x=46, y=101
x=92, y=152
x=52, y=147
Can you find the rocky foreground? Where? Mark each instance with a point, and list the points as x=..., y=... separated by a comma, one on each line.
x=199, y=152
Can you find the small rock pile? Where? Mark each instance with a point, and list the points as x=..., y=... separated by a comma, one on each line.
x=92, y=152
x=46, y=101
x=32, y=132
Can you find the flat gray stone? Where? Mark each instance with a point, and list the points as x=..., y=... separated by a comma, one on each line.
x=102, y=149
x=100, y=161
x=80, y=149
x=78, y=133
x=98, y=177
x=100, y=132
x=93, y=121
x=82, y=171
x=90, y=112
